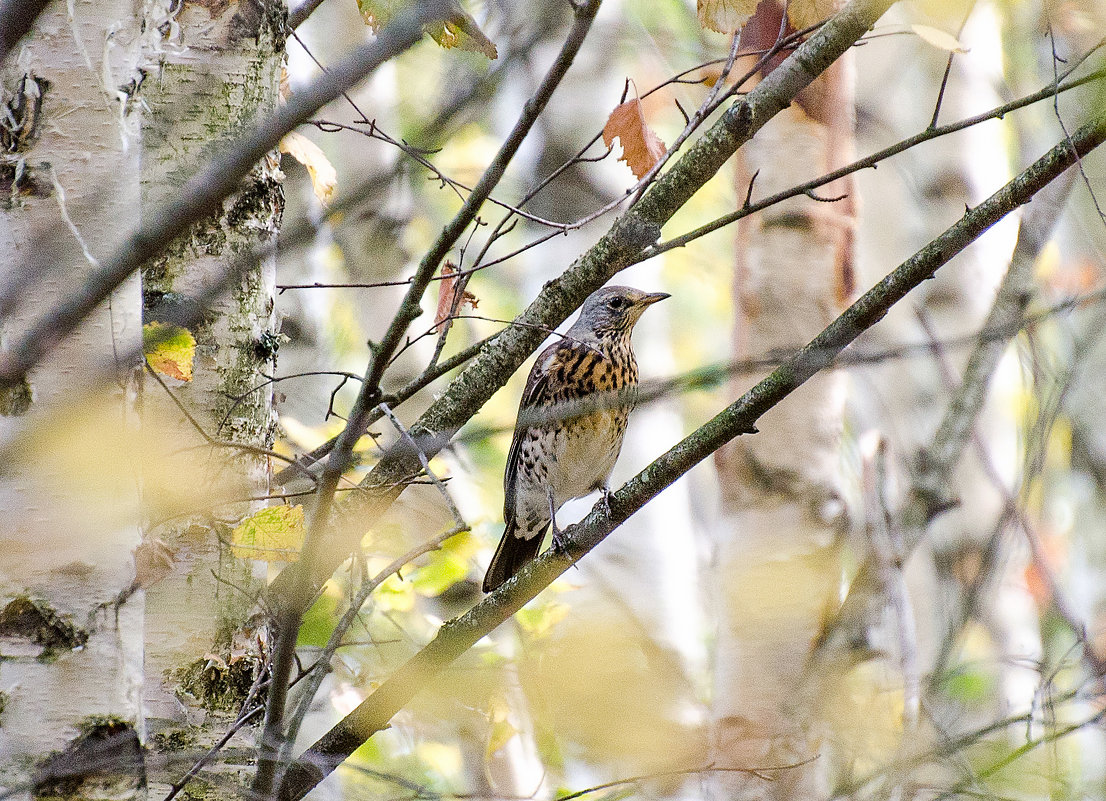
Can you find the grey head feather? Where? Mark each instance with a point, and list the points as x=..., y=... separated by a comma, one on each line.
x=612, y=310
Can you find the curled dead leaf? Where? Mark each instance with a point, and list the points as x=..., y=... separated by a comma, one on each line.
x=447, y=295
x=458, y=30
x=324, y=178
x=641, y=147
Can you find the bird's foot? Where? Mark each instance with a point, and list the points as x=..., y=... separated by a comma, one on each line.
x=559, y=544
x=605, y=498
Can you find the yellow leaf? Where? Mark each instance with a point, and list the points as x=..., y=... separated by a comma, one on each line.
x=501, y=733
x=539, y=621
x=274, y=534
x=938, y=38
x=441, y=759
x=324, y=178
x=641, y=147
x=395, y=595
x=169, y=349
x=459, y=29
x=725, y=16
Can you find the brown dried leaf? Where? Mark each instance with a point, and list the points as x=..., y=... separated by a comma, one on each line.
x=725, y=16
x=447, y=295
x=804, y=13
x=641, y=147
x=324, y=178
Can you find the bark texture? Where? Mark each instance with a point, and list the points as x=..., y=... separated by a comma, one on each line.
x=72, y=666
x=216, y=69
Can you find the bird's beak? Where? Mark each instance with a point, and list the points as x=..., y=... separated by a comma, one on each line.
x=653, y=297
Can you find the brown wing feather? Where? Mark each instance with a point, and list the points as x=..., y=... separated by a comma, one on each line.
x=513, y=552
x=537, y=385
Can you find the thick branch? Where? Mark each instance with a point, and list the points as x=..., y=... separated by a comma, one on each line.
x=929, y=492
x=455, y=637
x=301, y=589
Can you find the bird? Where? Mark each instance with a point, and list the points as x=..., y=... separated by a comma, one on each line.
x=553, y=461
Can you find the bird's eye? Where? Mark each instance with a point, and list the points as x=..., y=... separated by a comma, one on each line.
x=614, y=304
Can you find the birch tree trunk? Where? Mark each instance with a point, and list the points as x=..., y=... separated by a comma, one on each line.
x=776, y=567
x=71, y=670
x=218, y=68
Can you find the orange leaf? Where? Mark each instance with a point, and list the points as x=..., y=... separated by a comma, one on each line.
x=447, y=295
x=641, y=148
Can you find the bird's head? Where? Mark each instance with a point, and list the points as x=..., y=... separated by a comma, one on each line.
x=613, y=310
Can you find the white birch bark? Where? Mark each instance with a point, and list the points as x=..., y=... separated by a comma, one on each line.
x=215, y=69
x=776, y=567
x=72, y=665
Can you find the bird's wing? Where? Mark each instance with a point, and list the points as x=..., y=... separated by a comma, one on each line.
x=535, y=393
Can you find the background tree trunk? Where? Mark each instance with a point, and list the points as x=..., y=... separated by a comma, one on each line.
x=218, y=68
x=776, y=568
x=904, y=399
x=72, y=668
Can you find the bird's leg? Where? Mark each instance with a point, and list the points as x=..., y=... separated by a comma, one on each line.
x=558, y=536
x=605, y=498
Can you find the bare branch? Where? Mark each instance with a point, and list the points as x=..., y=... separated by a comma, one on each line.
x=617, y=249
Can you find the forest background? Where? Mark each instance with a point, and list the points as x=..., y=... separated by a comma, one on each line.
x=270, y=276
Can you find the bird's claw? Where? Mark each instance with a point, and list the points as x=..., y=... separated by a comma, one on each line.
x=605, y=498
x=559, y=543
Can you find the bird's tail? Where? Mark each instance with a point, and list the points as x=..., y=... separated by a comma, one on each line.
x=514, y=551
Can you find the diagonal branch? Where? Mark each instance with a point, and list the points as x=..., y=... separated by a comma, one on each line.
x=300, y=589
x=457, y=636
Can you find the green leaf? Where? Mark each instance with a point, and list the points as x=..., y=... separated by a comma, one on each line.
x=448, y=565
x=170, y=350
x=969, y=685
x=274, y=534
x=319, y=620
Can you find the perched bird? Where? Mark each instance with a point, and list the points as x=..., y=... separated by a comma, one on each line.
x=551, y=462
